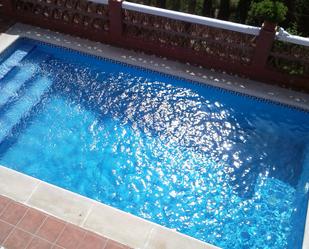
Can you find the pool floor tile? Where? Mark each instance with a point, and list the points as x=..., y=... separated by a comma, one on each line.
x=13, y=213
x=51, y=229
x=92, y=241
x=32, y=220
x=18, y=239
x=5, y=230
x=38, y=243
x=114, y=245
x=57, y=247
x=3, y=203
x=71, y=237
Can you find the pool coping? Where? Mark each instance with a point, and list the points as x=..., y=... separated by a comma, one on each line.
x=157, y=236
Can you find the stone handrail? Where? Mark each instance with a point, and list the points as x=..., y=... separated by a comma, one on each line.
x=191, y=18
x=99, y=1
x=284, y=36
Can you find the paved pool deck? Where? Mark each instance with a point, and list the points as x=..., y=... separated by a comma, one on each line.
x=23, y=227
x=90, y=216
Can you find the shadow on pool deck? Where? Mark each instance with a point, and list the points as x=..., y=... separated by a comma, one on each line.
x=5, y=23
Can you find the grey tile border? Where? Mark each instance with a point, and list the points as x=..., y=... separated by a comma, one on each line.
x=22, y=187
x=104, y=220
x=127, y=228
x=58, y=202
x=163, y=238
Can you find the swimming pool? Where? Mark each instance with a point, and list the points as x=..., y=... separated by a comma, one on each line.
x=190, y=157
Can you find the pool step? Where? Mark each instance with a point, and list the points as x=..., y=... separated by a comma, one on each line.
x=24, y=105
x=10, y=89
x=17, y=78
x=14, y=59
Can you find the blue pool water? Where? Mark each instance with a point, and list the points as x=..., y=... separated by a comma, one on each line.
x=226, y=169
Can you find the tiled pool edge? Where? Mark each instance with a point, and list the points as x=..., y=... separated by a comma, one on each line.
x=222, y=81
x=99, y=218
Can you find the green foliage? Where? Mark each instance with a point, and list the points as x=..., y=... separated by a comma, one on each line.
x=294, y=60
x=292, y=29
x=301, y=16
x=268, y=10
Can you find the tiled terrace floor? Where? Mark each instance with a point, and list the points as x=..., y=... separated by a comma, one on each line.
x=22, y=227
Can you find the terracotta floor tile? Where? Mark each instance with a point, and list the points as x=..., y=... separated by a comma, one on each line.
x=5, y=230
x=32, y=220
x=13, y=213
x=38, y=243
x=71, y=237
x=92, y=241
x=51, y=229
x=22, y=227
x=18, y=239
x=114, y=245
x=57, y=247
x=3, y=203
